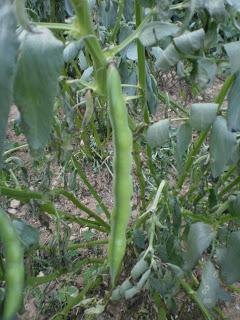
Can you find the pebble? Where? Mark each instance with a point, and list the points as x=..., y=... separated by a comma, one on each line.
x=15, y=204
x=12, y=211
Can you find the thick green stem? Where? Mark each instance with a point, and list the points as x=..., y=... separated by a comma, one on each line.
x=85, y=29
x=197, y=145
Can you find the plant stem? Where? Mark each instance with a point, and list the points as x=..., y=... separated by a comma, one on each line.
x=121, y=5
x=82, y=207
x=90, y=187
x=194, y=297
x=230, y=186
x=142, y=77
x=23, y=146
x=87, y=244
x=76, y=300
x=85, y=28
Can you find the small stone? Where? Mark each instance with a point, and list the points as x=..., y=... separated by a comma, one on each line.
x=41, y=274
x=12, y=211
x=15, y=204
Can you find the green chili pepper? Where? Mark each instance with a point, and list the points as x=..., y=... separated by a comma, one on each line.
x=14, y=267
x=122, y=183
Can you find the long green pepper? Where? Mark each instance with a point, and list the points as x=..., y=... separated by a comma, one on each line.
x=122, y=182
x=14, y=274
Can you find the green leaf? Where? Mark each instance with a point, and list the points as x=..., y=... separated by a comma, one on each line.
x=184, y=137
x=202, y=115
x=167, y=58
x=235, y=4
x=35, y=86
x=216, y=9
x=28, y=235
x=190, y=42
x=205, y=73
x=233, y=113
x=210, y=291
x=8, y=57
x=71, y=51
x=199, y=238
x=222, y=143
x=156, y=31
x=234, y=206
x=229, y=259
x=232, y=50
x=158, y=133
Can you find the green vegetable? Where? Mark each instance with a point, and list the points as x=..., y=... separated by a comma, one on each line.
x=140, y=267
x=122, y=184
x=14, y=267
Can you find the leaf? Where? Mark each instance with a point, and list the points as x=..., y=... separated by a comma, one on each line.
x=235, y=4
x=205, y=73
x=234, y=206
x=28, y=235
x=222, y=143
x=202, y=115
x=184, y=137
x=199, y=238
x=8, y=57
x=232, y=50
x=156, y=31
x=152, y=91
x=158, y=133
x=216, y=9
x=190, y=42
x=233, y=113
x=35, y=86
x=71, y=51
x=108, y=13
x=167, y=58
x=210, y=291
x=229, y=259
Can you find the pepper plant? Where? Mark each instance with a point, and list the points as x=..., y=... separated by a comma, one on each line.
x=189, y=220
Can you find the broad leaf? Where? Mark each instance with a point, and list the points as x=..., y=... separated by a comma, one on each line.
x=205, y=73
x=167, y=58
x=235, y=4
x=202, y=115
x=36, y=82
x=28, y=235
x=71, y=51
x=8, y=56
x=234, y=206
x=229, y=259
x=184, y=137
x=158, y=133
x=200, y=237
x=190, y=42
x=216, y=9
x=156, y=31
x=210, y=291
x=222, y=144
x=232, y=50
x=233, y=113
